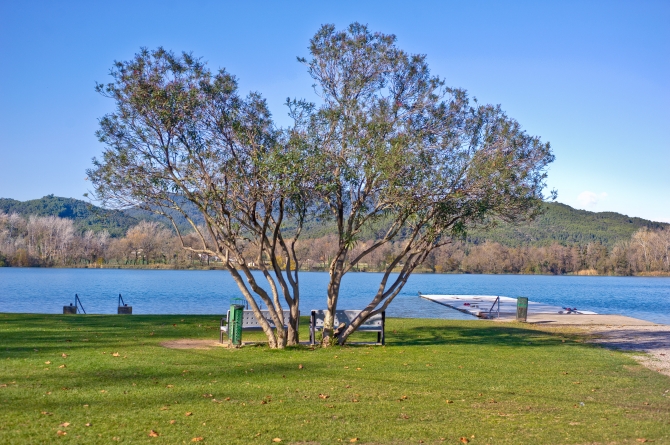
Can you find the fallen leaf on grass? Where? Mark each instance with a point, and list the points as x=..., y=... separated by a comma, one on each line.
x=48, y=362
x=62, y=366
x=116, y=354
x=300, y=366
x=207, y=396
x=263, y=402
x=354, y=439
x=197, y=439
x=642, y=440
x=103, y=390
x=276, y=439
x=354, y=400
x=464, y=439
x=89, y=424
x=404, y=416
x=47, y=413
x=172, y=422
x=64, y=355
x=61, y=433
x=323, y=396
x=153, y=433
x=165, y=408
x=65, y=424
x=449, y=401
x=170, y=386
x=403, y=397
x=189, y=413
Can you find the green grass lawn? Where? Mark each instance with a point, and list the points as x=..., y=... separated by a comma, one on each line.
x=436, y=381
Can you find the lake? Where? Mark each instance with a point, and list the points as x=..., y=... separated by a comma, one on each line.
x=39, y=290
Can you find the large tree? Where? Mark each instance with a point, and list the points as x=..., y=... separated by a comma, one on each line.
x=184, y=144
x=389, y=143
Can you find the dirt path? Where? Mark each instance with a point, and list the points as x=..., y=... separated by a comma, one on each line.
x=654, y=340
x=618, y=332
x=191, y=343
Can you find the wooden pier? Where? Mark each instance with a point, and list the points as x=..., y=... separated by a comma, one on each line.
x=493, y=306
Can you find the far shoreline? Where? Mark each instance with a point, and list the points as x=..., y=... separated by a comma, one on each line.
x=582, y=273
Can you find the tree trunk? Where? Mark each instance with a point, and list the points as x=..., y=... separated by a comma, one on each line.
x=293, y=337
x=333, y=295
x=272, y=340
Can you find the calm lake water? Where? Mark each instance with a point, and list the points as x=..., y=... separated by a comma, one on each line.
x=209, y=292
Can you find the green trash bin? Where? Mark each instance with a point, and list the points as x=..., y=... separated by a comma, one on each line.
x=521, y=309
x=235, y=324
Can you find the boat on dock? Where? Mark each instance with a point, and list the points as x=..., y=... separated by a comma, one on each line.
x=494, y=306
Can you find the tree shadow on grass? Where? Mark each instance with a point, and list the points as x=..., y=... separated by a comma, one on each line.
x=25, y=332
x=477, y=333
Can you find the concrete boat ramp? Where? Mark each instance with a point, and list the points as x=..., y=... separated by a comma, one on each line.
x=493, y=306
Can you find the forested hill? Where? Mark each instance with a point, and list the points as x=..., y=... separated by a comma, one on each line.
x=86, y=216
x=560, y=223
x=567, y=226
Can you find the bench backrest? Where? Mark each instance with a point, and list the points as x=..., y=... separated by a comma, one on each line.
x=347, y=316
x=249, y=319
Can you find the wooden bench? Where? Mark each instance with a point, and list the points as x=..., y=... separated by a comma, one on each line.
x=372, y=324
x=250, y=323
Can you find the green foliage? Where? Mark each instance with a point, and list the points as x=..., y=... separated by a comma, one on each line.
x=85, y=216
x=559, y=223
x=508, y=384
x=564, y=225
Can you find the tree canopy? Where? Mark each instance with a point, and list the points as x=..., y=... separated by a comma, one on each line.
x=182, y=141
x=390, y=140
x=387, y=140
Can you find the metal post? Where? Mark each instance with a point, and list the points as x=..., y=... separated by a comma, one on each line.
x=77, y=302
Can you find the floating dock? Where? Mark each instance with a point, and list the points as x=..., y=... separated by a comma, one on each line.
x=493, y=306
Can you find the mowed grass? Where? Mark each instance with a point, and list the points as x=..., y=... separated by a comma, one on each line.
x=436, y=381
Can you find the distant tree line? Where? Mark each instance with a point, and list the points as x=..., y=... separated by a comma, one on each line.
x=51, y=241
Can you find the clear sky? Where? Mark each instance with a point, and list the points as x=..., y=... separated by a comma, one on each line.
x=591, y=77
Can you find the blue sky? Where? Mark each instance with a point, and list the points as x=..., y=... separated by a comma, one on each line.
x=593, y=78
